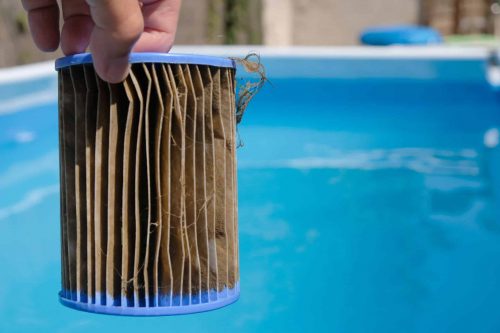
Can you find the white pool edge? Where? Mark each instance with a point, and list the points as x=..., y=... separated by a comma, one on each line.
x=46, y=69
x=26, y=72
x=354, y=52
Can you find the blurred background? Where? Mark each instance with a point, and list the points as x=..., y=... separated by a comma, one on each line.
x=287, y=22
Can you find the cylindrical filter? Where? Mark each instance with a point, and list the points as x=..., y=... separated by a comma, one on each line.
x=148, y=186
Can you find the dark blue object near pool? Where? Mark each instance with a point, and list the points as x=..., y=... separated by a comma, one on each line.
x=402, y=35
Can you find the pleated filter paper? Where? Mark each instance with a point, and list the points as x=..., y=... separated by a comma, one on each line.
x=149, y=214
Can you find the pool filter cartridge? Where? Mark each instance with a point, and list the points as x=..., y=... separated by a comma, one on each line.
x=148, y=186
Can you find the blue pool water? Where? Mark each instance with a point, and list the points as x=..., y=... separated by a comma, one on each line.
x=367, y=204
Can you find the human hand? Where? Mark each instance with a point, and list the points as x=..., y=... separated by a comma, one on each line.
x=111, y=28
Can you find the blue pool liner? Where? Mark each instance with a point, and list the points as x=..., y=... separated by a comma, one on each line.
x=400, y=35
x=162, y=306
x=151, y=57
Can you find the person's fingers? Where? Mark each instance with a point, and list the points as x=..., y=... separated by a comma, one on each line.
x=43, y=18
x=118, y=25
x=160, y=25
x=77, y=28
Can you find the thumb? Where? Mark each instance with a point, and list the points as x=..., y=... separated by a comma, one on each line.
x=118, y=25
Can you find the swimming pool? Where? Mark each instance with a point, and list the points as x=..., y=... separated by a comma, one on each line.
x=369, y=191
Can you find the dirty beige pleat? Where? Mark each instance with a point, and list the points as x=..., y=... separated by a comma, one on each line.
x=68, y=123
x=128, y=194
x=165, y=269
x=234, y=136
x=157, y=104
x=90, y=132
x=220, y=182
x=191, y=211
x=146, y=223
x=178, y=252
x=228, y=119
x=64, y=101
x=139, y=213
x=156, y=110
x=117, y=124
x=201, y=218
x=79, y=87
x=183, y=96
x=101, y=189
x=210, y=177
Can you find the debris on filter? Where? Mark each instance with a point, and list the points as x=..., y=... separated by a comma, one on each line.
x=252, y=64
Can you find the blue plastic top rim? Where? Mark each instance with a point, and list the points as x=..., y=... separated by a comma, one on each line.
x=147, y=57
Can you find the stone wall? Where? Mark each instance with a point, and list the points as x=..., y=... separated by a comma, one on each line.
x=16, y=47
x=458, y=16
x=275, y=22
x=337, y=22
x=201, y=22
x=220, y=22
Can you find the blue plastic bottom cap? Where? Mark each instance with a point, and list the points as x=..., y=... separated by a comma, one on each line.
x=211, y=301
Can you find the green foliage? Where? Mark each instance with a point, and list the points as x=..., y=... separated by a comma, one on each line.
x=21, y=21
x=216, y=9
x=234, y=21
x=243, y=22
